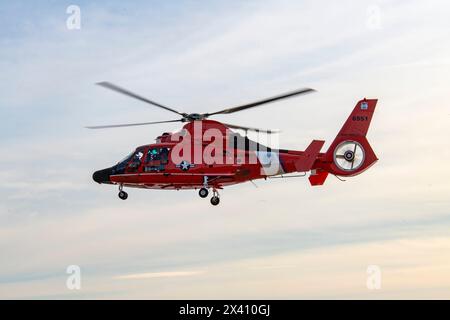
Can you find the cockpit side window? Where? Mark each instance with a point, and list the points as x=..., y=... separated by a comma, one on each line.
x=135, y=160
x=137, y=157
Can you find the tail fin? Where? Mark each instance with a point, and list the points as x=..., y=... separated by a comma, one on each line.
x=359, y=120
x=350, y=153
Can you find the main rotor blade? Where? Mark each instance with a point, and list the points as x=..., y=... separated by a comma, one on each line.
x=130, y=124
x=113, y=87
x=261, y=102
x=268, y=131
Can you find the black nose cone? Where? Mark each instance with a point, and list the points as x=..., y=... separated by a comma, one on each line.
x=102, y=176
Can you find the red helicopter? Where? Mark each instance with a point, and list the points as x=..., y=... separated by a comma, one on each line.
x=207, y=155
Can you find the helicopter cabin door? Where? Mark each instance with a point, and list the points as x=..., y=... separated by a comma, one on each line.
x=157, y=159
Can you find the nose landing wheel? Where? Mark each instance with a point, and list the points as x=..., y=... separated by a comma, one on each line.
x=122, y=194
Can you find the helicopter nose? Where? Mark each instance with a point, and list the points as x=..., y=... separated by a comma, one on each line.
x=102, y=176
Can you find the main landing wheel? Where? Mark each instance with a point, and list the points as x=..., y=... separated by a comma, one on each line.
x=123, y=195
x=215, y=200
x=203, y=193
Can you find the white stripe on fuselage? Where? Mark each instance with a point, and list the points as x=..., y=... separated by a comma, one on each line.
x=270, y=163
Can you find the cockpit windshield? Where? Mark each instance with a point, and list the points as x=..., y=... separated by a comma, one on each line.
x=133, y=160
x=126, y=159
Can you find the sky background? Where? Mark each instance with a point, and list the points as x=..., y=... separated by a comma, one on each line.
x=281, y=240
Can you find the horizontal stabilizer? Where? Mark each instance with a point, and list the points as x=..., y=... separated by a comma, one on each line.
x=306, y=161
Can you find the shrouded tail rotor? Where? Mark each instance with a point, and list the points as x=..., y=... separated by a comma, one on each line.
x=349, y=155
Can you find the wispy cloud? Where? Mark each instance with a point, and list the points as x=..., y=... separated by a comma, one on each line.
x=151, y=275
x=200, y=58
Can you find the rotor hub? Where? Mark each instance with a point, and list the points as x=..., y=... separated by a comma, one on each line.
x=194, y=117
x=189, y=117
x=349, y=155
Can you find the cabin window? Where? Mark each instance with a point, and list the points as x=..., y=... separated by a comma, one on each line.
x=158, y=154
x=156, y=159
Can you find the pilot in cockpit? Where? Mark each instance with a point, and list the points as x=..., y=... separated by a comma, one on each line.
x=136, y=161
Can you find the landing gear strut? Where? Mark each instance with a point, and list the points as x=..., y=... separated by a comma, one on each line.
x=203, y=192
x=122, y=194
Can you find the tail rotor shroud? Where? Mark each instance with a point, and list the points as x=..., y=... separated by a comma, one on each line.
x=349, y=156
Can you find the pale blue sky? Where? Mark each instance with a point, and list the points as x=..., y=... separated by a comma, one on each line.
x=283, y=239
